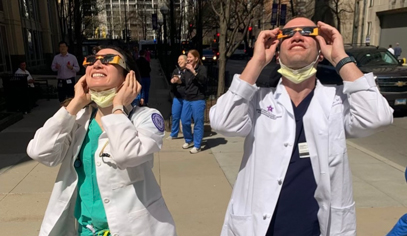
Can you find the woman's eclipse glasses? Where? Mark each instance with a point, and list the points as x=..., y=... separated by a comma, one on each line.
x=105, y=59
x=304, y=31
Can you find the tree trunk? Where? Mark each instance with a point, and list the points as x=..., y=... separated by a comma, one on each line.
x=222, y=51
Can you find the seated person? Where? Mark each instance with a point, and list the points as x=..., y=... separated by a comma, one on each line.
x=32, y=90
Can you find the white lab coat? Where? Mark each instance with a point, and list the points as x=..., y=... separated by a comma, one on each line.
x=355, y=109
x=132, y=198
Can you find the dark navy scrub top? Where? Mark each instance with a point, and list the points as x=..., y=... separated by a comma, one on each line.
x=296, y=210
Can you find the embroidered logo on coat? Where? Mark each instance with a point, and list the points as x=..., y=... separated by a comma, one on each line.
x=158, y=121
x=268, y=112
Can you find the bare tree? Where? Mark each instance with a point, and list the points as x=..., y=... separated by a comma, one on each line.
x=234, y=19
x=340, y=8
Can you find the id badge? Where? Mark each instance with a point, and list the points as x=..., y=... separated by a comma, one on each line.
x=303, y=150
x=68, y=81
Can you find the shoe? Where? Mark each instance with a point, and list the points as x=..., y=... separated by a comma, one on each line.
x=194, y=150
x=187, y=145
x=171, y=138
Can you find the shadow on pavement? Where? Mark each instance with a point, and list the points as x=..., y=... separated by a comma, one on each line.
x=213, y=142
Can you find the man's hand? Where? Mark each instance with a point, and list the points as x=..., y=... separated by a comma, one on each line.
x=69, y=67
x=129, y=90
x=58, y=66
x=331, y=43
x=264, y=50
x=265, y=46
x=81, y=98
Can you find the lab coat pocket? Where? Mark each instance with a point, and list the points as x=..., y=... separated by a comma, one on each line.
x=343, y=221
x=239, y=225
x=128, y=176
x=155, y=219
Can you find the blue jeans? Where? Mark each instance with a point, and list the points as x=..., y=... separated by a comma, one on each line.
x=196, y=110
x=145, y=88
x=177, y=104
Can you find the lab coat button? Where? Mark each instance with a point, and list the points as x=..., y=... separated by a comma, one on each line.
x=285, y=144
x=107, y=200
x=280, y=182
x=98, y=163
x=264, y=216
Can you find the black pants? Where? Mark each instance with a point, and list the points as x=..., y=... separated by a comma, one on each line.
x=66, y=89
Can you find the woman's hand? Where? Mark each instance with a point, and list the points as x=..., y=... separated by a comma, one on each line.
x=81, y=98
x=190, y=68
x=128, y=91
x=176, y=79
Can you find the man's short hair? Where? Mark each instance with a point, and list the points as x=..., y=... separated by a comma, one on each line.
x=390, y=46
x=62, y=42
x=142, y=52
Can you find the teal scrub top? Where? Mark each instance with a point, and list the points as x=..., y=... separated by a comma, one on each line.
x=89, y=209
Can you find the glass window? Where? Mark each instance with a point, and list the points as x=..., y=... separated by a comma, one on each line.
x=1, y=5
x=371, y=3
x=369, y=27
x=29, y=9
x=3, y=50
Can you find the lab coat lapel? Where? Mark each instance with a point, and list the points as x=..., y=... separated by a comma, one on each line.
x=282, y=98
x=80, y=132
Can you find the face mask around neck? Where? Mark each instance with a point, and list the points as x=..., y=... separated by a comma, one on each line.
x=300, y=75
x=103, y=98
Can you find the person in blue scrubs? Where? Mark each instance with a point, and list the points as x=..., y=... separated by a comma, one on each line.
x=400, y=229
x=178, y=91
x=195, y=79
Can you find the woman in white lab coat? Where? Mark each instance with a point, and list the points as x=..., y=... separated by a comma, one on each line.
x=105, y=184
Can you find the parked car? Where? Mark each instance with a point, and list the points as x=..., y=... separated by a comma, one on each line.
x=209, y=56
x=391, y=76
x=240, y=52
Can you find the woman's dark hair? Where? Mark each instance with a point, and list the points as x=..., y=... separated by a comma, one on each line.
x=128, y=59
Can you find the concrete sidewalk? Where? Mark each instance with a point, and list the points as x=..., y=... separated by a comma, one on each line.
x=196, y=187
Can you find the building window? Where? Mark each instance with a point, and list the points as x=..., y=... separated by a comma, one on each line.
x=1, y=5
x=3, y=50
x=371, y=3
x=29, y=9
x=369, y=27
x=33, y=47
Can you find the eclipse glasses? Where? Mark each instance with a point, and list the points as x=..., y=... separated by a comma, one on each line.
x=111, y=59
x=304, y=31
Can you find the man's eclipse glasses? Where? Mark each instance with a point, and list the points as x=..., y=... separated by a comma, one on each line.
x=304, y=31
x=105, y=59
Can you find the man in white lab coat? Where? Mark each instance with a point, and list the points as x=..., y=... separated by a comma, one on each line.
x=294, y=178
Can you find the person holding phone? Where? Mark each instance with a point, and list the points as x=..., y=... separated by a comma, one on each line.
x=105, y=147
x=178, y=92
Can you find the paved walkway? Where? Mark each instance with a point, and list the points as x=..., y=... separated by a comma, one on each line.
x=196, y=188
